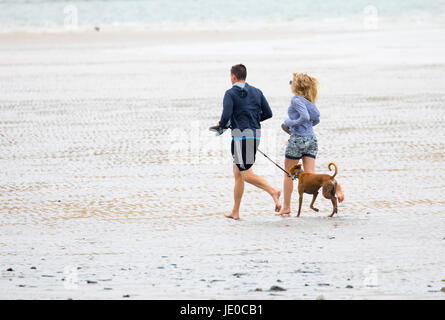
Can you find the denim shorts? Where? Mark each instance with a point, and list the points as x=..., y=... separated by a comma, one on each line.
x=301, y=146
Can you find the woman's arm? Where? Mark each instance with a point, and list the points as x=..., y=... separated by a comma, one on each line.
x=315, y=117
x=302, y=111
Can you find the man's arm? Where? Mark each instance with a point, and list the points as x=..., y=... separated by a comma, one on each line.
x=227, y=110
x=302, y=111
x=266, y=112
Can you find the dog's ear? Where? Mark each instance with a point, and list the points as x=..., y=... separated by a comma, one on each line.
x=294, y=169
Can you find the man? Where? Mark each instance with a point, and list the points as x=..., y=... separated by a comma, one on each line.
x=244, y=107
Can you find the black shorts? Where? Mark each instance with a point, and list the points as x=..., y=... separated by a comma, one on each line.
x=244, y=151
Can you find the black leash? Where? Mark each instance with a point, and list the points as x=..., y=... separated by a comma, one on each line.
x=288, y=174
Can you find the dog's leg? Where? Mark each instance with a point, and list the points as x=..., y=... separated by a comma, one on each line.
x=313, y=200
x=300, y=202
x=334, y=204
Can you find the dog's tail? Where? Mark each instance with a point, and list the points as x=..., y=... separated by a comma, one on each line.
x=336, y=169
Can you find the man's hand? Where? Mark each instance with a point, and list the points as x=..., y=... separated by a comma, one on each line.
x=219, y=131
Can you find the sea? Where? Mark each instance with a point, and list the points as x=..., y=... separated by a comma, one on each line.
x=60, y=15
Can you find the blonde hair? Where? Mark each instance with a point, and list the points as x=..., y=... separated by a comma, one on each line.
x=305, y=86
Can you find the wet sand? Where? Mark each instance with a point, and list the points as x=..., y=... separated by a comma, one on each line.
x=111, y=186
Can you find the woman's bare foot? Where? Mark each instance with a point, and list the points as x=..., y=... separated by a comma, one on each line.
x=276, y=198
x=233, y=215
x=284, y=212
x=339, y=193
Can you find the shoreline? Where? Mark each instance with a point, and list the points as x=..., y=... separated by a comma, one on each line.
x=265, y=32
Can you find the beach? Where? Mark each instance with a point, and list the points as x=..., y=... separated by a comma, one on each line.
x=112, y=187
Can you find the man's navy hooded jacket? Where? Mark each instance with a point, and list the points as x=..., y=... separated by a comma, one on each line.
x=245, y=108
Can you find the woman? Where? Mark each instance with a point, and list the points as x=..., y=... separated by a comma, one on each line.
x=302, y=144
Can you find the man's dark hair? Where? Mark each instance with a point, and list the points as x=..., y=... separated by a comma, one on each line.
x=239, y=71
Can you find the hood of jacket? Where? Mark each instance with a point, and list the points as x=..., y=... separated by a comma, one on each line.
x=241, y=92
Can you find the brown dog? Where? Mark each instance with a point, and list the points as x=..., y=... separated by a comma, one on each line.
x=311, y=182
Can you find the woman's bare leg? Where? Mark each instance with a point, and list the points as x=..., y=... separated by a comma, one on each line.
x=288, y=185
x=309, y=164
x=340, y=194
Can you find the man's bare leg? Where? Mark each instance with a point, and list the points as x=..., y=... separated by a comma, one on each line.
x=261, y=183
x=238, y=191
x=288, y=186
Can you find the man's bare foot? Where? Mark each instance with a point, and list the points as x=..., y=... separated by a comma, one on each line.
x=233, y=215
x=276, y=198
x=339, y=193
x=284, y=212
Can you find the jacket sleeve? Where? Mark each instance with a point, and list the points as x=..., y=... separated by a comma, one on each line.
x=302, y=111
x=227, y=110
x=316, y=119
x=266, y=111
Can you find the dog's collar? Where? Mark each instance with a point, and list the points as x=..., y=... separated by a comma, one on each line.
x=296, y=175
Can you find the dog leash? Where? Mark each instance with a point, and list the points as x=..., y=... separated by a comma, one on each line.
x=288, y=174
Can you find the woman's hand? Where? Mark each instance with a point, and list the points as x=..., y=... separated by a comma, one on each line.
x=286, y=129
